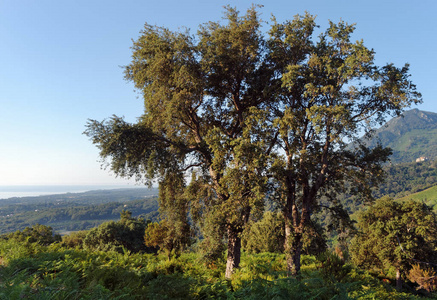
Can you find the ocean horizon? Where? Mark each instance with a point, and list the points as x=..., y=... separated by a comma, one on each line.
x=12, y=191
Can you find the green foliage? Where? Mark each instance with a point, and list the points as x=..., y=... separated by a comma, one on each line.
x=174, y=233
x=124, y=235
x=428, y=196
x=251, y=113
x=74, y=239
x=267, y=235
x=38, y=233
x=202, y=98
x=406, y=178
x=401, y=181
x=53, y=272
x=425, y=277
x=333, y=267
x=212, y=246
x=393, y=236
x=327, y=89
x=165, y=236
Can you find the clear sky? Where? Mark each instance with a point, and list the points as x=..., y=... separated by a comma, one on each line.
x=60, y=64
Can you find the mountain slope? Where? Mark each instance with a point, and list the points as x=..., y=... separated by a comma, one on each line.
x=428, y=196
x=412, y=135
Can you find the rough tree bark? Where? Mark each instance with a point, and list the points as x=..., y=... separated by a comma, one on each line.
x=234, y=252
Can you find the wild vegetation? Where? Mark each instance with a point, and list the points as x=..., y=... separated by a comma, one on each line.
x=254, y=116
x=41, y=269
x=260, y=123
x=415, y=180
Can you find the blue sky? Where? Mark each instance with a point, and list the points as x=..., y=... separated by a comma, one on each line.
x=60, y=65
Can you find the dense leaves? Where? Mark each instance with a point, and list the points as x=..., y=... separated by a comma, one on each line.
x=123, y=235
x=394, y=236
x=248, y=114
x=38, y=233
x=267, y=235
x=326, y=91
x=201, y=97
x=58, y=273
x=407, y=178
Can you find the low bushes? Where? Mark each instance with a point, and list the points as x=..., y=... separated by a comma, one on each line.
x=55, y=272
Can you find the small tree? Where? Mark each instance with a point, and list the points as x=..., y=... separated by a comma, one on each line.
x=74, y=239
x=165, y=237
x=126, y=233
x=393, y=236
x=38, y=233
x=174, y=232
x=266, y=235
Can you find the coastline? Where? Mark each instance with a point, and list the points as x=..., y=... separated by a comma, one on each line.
x=19, y=191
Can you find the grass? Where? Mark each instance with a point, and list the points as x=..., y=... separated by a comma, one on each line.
x=428, y=196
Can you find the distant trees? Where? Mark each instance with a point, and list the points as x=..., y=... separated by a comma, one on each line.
x=37, y=233
x=126, y=233
x=405, y=178
x=248, y=114
x=394, y=236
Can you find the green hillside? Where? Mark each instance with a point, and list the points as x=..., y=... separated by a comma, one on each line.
x=429, y=196
x=410, y=136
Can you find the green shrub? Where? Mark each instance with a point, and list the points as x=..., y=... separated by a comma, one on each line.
x=56, y=272
x=74, y=239
x=333, y=268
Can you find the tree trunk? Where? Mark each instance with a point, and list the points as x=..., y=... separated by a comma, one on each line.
x=293, y=249
x=234, y=252
x=398, y=280
x=295, y=252
x=293, y=241
x=293, y=232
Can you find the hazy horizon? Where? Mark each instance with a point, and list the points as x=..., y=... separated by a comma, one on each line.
x=11, y=191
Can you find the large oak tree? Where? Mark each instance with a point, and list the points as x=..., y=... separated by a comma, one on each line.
x=202, y=98
x=239, y=107
x=327, y=92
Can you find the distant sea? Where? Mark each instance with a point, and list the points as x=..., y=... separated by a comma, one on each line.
x=42, y=190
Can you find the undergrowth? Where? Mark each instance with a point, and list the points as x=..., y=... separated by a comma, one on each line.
x=30, y=271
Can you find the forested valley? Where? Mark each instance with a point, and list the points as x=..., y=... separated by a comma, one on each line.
x=267, y=189
x=76, y=211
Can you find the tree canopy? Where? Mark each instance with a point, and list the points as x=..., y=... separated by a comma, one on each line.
x=394, y=236
x=125, y=234
x=326, y=92
x=250, y=115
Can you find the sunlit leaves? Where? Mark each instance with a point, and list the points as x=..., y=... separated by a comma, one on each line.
x=395, y=235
